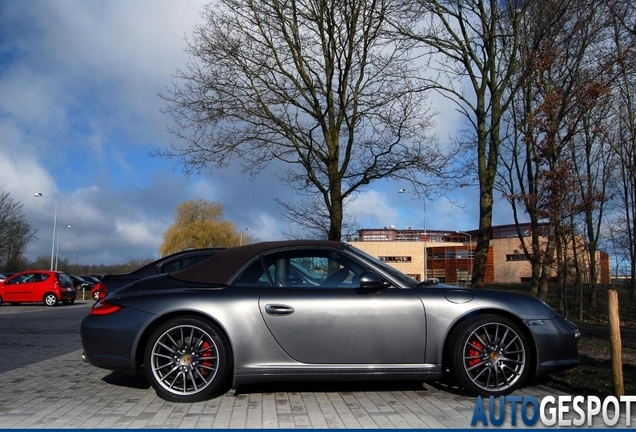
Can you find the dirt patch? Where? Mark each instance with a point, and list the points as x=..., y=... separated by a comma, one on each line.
x=594, y=375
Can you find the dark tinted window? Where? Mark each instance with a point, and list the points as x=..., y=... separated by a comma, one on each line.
x=65, y=281
x=41, y=277
x=185, y=262
x=253, y=275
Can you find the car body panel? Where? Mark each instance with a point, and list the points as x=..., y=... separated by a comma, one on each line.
x=396, y=331
x=332, y=325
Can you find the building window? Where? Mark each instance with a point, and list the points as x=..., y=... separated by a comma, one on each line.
x=377, y=237
x=396, y=259
x=516, y=257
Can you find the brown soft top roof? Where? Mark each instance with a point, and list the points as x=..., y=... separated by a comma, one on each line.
x=220, y=267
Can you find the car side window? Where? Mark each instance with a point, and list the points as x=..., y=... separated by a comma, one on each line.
x=313, y=268
x=24, y=278
x=40, y=277
x=253, y=275
x=185, y=262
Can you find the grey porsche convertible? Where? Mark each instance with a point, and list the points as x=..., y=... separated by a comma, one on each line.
x=319, y=310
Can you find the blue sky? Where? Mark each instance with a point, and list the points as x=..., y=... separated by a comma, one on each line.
x=80, y=114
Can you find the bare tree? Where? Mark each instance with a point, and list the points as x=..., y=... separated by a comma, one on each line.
x=317, y=85
x=553, y=165
x=473, y=44
x=15, y=233
x=622, y=131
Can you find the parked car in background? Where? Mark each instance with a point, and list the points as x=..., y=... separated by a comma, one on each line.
x=247, y=315
x=90, y=278
x=37, y=286
x=177, y=261
x=81, y=283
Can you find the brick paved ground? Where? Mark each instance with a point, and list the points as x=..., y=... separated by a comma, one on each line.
x=65, y=393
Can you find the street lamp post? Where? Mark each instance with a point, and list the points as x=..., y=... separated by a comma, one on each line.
x=57, y=245
x=470, y=258
x=241, y=238
x=425, y=276
x=39, y=195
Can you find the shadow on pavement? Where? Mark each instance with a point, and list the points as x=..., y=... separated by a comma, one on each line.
x=126, y=380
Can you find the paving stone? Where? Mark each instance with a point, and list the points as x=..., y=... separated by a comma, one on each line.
x=39, y=396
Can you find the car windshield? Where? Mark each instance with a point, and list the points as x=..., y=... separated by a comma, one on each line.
x=395, y=273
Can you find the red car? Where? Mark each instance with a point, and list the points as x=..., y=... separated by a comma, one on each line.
x=44, y=286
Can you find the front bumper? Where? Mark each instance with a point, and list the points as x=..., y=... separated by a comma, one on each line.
x=556, y=342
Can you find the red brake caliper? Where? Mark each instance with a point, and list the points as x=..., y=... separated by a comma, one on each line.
x=474, y=351
x=207, y=363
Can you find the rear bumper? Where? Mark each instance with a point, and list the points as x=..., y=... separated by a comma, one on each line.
x=68, y=295
x=110, y=341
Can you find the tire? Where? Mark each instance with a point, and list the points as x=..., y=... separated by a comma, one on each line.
x=187, y=360
x=50, y=299
x=66, y=302
x=0, y=300
x=489, y=355
x=96, y=295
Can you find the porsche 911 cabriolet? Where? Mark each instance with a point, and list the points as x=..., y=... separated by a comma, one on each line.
x=319, y=310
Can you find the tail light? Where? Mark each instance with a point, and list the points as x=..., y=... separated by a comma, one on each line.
x=101, y=289
x=103, y=307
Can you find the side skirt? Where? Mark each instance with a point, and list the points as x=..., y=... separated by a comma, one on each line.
x=307, y=372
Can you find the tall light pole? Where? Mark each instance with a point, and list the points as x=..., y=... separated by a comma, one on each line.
x=470, y=258
x=241, y=238
x=57, y=245
x=39, y=195
x=425, y=276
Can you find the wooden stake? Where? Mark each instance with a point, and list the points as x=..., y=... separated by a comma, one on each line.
x=615, y=344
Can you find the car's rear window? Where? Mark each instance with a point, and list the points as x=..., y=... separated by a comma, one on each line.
x=65, y=280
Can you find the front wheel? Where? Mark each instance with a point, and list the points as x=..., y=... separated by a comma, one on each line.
x=50, y=299
x=187, y=360
x=489, y=355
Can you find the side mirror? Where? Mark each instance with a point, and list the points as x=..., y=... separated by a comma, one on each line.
x=370, y=280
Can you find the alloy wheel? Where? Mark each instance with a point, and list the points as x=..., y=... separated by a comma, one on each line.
x=184, y=360
x=494, y=357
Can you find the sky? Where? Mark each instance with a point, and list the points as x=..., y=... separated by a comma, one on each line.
x=80, y=116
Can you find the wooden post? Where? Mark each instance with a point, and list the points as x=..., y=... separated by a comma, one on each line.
x=615, y=344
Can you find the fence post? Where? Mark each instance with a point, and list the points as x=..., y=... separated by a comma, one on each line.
x=616, y=355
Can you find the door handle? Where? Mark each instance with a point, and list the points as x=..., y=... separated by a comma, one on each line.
x=278, y=310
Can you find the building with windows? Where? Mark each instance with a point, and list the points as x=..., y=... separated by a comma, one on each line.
x=450, y=254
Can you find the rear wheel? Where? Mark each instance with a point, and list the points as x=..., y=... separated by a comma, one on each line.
x=50, y=299
x=489, y=355
x=187, y=360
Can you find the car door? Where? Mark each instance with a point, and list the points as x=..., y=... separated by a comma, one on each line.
x=335, y=321
x=18, y=288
